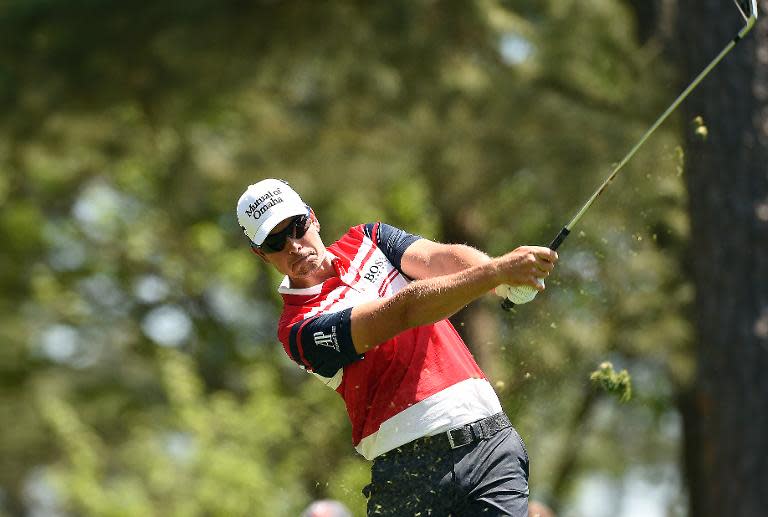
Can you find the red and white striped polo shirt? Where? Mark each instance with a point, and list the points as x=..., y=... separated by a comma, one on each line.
x=421, y=382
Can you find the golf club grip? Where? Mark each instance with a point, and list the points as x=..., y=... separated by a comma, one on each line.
x=508, y=304
x=559, y=239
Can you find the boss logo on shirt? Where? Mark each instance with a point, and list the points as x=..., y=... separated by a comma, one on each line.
x=329, y=340
x=375, y=270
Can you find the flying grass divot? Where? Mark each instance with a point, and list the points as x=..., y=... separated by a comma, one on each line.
x=618, y=384
x=699, y=128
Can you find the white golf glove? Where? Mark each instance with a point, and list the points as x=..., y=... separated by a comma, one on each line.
x=518, y=294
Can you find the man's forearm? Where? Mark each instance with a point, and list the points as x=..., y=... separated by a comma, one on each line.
x=427, y=259
x=429, y=300
x=458, y=257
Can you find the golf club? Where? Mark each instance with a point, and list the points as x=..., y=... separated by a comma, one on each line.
x=515, y=295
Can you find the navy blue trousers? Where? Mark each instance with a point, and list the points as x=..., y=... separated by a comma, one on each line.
x=427, y=478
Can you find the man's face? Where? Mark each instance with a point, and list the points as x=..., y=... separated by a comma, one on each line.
x=300, y=257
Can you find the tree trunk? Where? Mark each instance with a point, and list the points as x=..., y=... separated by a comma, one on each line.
x=654, y=19
x=726, y=413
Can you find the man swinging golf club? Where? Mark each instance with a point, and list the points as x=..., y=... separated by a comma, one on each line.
x=367, y=316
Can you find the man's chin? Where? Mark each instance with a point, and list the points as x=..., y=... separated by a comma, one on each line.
x=305, y=267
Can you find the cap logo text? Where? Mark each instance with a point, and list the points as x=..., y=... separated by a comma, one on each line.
x=263, y=203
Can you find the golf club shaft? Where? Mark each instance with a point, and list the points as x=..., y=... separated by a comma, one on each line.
x=558, y=240
x=648, y=133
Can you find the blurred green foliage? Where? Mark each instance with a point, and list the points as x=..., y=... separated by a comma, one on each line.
x=139, y=369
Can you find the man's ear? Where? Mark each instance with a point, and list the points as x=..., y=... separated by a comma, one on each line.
x=260, y=254
x=315, y=221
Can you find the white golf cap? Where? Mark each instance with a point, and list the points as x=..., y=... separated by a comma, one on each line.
x=264, y=205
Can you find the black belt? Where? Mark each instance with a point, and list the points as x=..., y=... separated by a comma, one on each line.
x=456, y=437
x=476, y=431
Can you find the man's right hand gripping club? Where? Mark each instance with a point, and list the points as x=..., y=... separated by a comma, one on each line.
x=542, y=265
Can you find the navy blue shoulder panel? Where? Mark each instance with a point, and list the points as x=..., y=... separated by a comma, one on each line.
x=391, y=241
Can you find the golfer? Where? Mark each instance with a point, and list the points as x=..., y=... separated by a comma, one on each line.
x=367, y=316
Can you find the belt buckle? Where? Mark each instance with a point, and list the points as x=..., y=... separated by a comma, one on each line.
x=453, y=443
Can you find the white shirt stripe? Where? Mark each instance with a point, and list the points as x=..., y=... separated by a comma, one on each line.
x=462, y=403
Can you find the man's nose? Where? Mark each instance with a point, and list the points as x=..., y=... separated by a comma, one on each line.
x=292, y=244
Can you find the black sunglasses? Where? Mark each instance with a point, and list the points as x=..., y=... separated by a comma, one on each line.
x=275, y=242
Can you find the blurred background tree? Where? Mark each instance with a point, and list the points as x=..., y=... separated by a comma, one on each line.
x=139, y=369
x=726, y=423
